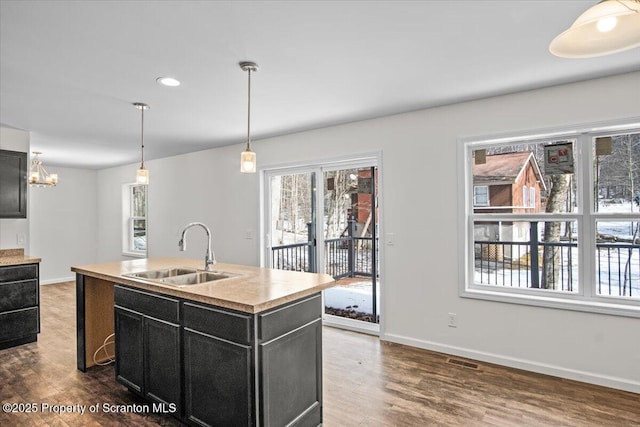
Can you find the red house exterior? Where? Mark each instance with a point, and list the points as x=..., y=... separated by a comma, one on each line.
x=505, y=183
x=513, y=181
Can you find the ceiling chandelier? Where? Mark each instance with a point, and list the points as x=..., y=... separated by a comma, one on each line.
x=248, y=157
x=38, y=175
x=142, y=176
x=610, y=26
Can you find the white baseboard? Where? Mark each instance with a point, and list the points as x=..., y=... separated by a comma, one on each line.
x=527, y=365
x=58, y=280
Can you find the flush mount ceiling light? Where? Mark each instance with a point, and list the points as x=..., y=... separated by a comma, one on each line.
x=168, y=81
x=142, y=176
x=610, y=26
x=248, y=157
x=38, y=176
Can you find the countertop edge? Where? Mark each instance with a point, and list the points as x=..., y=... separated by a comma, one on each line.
x=9, y=261
x=178, y=292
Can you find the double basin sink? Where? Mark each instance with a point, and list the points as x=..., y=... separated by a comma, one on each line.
x=181, y=276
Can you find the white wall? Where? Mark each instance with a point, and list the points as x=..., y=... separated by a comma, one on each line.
x=419, y=184
x=14, y=232
x=63, y=223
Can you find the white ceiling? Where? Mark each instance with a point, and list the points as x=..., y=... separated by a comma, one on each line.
x=71, y=69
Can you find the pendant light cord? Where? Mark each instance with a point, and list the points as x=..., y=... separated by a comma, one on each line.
x=142, y=139
x=249, y=111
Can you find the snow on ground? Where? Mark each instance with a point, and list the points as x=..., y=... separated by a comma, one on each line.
x=355, y=296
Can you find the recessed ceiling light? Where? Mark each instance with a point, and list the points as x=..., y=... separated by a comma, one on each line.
x=168, y=81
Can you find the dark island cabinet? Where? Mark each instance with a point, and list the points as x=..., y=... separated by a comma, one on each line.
x=148, y=347
x=219, y=360
x=223, y=367
x=19, y=305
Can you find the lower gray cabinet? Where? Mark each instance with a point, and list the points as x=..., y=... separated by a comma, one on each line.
x=291, y=377
x=218, y=358
x=19, y=305
x=129, y=348
x=162, y=363
x=148, y=349
x=218, y=381
x=222, y=367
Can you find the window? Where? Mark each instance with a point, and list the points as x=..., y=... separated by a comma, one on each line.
x=480, y=195
x=578, y=246
x=134, y=210
x=532, y=197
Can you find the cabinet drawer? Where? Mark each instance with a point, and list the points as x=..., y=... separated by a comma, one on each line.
x=19, y=323
x=157, y=306
x=222, y=324
x=15, y=273
x=15, y=295
x=284, y=319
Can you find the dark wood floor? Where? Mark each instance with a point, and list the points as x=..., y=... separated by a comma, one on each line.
x=366, y=383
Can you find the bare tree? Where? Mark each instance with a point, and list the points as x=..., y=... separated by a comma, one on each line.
x=338, y=200
x=556, y=202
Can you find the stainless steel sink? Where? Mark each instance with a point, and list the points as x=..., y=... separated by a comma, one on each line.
x=162, y=274
x=197, y=278
x=181, y=276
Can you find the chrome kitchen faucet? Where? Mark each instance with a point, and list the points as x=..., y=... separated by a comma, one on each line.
x=210, y=258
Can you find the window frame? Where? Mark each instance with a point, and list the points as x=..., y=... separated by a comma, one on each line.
x=532, y=197
x=128, y=220
x=586, y=298
x=475, y=203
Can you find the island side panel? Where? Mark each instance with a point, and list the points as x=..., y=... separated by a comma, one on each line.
x=95, y=318
x=290, y=350
x=80, y=327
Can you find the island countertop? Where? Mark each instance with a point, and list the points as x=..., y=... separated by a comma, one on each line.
x=250, y=290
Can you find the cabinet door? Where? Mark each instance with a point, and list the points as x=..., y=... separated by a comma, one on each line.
x=162, y=363
x=218, y=378
x=13, y=184
x=291, y=377
x=129, y=348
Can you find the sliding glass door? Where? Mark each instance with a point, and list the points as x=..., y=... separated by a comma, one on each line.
x=325, y=219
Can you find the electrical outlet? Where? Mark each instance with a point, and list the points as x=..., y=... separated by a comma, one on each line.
x=453, y=320
x=248, y=234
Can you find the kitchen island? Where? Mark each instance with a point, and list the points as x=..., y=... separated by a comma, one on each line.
x=242, y=349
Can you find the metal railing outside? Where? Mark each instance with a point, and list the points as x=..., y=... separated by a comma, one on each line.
x=345, y=257
x=511, y=264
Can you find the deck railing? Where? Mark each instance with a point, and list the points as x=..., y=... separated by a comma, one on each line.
x=511, y=264
x=346, y=256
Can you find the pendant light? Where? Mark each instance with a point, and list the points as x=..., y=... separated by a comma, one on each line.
x=610, y=26
x=38, y=175
x=248, y=157
x=142, y=176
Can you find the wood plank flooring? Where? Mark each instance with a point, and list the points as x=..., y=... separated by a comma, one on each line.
x=366, y=383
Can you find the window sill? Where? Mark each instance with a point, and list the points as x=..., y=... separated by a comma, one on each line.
x=134, y=254
x=575, y=304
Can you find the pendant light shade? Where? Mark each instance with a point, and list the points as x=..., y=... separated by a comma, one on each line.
x=142, y=176
x=610, y=26
x=248, y=157
x=248, y=161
